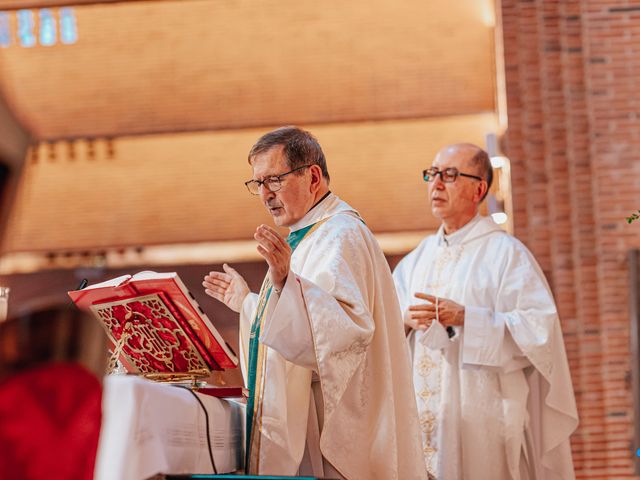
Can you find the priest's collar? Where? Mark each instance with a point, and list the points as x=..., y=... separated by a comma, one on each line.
x=326, y=206
x=320, y=201
x=459, y=235
x=477, y=227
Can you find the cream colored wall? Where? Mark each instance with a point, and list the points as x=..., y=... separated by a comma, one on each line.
x=189, y=187
x=382, y=84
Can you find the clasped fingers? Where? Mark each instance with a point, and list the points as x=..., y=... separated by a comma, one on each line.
x=445, y=310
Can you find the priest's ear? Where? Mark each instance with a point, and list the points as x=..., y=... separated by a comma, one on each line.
x=482, y=188
x=316, y=178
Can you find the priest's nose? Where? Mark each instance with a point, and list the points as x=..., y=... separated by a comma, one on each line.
x=265, y=193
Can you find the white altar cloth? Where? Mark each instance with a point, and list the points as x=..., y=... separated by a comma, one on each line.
x=150, y=428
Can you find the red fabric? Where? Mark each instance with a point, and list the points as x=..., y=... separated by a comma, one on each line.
x=49, y=423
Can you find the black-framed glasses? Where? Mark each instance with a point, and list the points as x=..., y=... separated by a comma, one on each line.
x=273, y=183
x=448, y=175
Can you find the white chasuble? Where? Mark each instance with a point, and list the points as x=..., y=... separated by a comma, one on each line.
x=335, y=395
x=495, y=401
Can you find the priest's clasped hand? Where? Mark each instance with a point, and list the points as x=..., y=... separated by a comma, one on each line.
x=421, y=315
x=276, y=251
x=229, y=287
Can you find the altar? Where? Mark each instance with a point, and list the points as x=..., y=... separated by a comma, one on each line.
x=150, y=428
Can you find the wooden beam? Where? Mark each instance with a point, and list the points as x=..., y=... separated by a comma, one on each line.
x=26, y=4
x=14, y=144
x=14, y=137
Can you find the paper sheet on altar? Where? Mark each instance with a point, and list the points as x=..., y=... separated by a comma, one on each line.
x=150, y=428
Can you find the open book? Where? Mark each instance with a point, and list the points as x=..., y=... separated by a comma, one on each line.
x=156, y=325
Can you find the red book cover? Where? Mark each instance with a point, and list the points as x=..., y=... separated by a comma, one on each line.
x=224, y=392
x=165, y=329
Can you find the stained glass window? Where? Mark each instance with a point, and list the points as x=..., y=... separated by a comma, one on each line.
x=68, y=28
x=5, y=31
x=48, y=32
x=26, y=27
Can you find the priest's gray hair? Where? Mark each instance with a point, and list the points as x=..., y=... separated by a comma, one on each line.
x=479, y=160
x=299, y=146
x=482, y=162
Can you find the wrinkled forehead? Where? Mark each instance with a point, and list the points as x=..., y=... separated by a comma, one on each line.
x=269, y=163
x=460, y=158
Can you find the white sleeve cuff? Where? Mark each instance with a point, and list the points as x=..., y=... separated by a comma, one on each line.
x=248, y=307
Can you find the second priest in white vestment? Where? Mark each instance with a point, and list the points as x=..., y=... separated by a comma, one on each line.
x=495, y=400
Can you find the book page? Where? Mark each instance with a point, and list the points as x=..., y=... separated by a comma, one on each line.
x=114, y=282
x=151, y=275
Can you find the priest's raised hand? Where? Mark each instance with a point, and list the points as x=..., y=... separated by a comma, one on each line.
x=276, y=251
x=229, y=287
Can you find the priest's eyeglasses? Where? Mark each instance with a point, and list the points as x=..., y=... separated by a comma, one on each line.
x=448, y=175
x=273, y=184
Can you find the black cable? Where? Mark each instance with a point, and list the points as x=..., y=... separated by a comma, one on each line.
x=206, y=417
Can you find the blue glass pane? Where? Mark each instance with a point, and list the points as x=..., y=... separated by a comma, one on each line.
x=68, y=28
x=5, y=32
x=26, y=26
x=47, y=27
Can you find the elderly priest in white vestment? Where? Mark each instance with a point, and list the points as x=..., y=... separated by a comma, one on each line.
x=489, y=365
x=322, y=346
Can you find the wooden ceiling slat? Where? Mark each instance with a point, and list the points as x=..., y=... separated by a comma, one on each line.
x=161, y=67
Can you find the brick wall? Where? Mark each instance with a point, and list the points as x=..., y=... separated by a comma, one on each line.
x=573, y=93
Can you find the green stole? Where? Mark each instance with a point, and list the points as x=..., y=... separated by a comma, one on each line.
x=255, y=348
